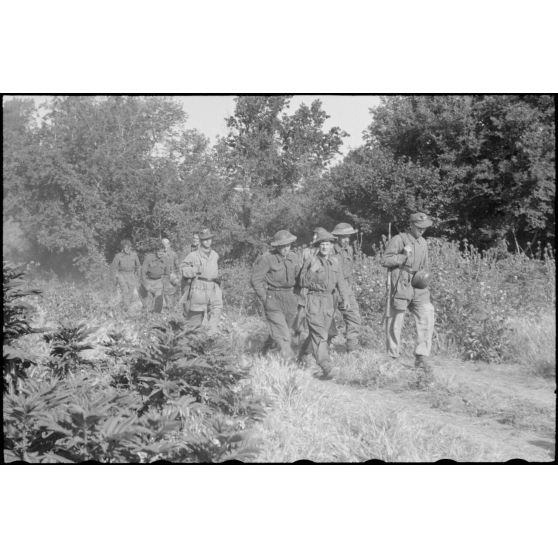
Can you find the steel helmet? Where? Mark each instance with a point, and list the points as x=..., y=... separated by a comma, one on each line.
x=421, y=279
x=323, y=236
x=343, y=229
x=282, y=238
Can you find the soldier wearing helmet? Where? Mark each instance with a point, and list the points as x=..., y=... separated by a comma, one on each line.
x=320, y=277
x=345, y=254
x=273, y=278
x=204, y=297
x=406, y=257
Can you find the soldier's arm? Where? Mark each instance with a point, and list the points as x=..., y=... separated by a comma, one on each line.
x=188, y=268
x=342, y=287
x=114, y=264
x=393, y=256
x=144, y=267
x=257, y=280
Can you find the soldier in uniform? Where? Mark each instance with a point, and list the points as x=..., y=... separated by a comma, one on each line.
x=126, y=267
x=273, y=278
x=170, y=282
x=406, y=257
x=300, y=320
x=185, y=284
x=343, y=250
x=154, y=272
x=319, y=277
x=204, y=295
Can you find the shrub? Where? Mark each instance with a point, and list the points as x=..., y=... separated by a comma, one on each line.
x=17, y=324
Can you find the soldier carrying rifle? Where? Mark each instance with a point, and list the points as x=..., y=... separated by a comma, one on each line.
x=406, y=258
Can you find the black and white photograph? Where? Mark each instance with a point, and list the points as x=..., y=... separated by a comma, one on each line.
x=279, y=278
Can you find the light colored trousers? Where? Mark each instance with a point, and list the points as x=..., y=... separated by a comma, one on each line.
x=423, y=311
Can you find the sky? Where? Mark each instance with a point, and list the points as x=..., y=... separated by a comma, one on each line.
x=349, y=112
x=208, y=113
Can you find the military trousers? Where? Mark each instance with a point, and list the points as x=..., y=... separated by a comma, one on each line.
x=127, y=283
x=319, y=315
x=351, y=317
x=280, y=312
x=423, y=311
x=205, y=302
x=153, y=300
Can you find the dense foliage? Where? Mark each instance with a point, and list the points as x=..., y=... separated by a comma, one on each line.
x=482, y=165
x=81, y=173
x=139, y=392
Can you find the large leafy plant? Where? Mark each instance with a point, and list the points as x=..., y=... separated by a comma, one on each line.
x=17, y=315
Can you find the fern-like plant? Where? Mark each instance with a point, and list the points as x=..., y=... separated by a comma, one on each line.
x=67, y=345
x=16, y=325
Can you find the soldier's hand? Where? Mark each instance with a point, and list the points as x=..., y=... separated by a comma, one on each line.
x=407, y=250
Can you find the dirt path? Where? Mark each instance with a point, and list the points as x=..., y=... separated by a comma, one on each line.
x=373, y=408
x=497, y=405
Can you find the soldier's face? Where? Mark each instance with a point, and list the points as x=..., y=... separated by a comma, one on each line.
x=343, y=241
x=206, y=243
x=127, y=249
x=166, y=244
x=161, y=252
x=284, y=250
x=416, y=231
x=325, y=248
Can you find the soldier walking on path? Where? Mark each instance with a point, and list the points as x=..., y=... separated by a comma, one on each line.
x=170, y=282
x=406, y=257
x=154, y=272
x=273, y=278
x=126, y=268
x=345, y=254
x=320, y=276
x=204, y=295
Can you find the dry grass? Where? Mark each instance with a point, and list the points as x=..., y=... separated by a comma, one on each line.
x=533, y=343
x=328, y=422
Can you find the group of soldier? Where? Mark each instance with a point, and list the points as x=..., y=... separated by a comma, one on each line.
x=296, y=289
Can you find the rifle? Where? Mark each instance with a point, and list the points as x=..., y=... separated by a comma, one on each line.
x=387, y=308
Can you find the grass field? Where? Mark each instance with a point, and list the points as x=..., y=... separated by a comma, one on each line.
x=126, y=393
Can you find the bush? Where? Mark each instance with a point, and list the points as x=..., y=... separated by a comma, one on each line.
x=17, y=315
x=474, y=293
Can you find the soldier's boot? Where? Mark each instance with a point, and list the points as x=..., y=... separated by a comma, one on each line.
x=327, y=368
x=424, y=364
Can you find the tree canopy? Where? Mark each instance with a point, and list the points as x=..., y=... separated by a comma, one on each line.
x=92, y=170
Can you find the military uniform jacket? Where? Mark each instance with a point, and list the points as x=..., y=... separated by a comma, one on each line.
x=402, y=267
x=155, y=267
x=272, y=271
x=125, y=263
x=172, y=260
x=345, y=257
x=323, y=275
x=201, y=264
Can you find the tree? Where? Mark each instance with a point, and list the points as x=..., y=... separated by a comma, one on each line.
x=493, y=155
x=270, y=159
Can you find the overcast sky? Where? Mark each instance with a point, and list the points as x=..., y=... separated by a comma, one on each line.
x=349, y=112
